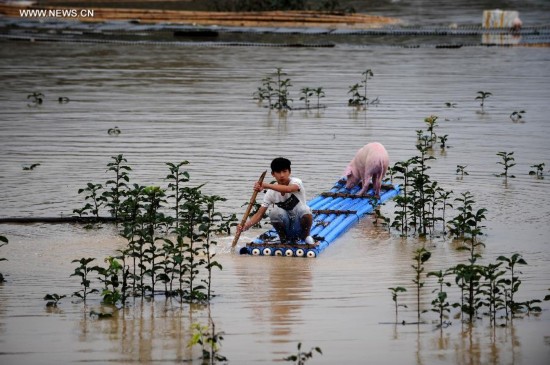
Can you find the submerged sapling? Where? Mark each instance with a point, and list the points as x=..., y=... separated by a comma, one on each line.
x=482, y=95
x=368, y=74
x=301, y=357
x=538, y=170
x=53, y=299
x=443, y=140
x=92, y=193
x=113, y=131
x=83, y=270
x=306, y=93
x=319, y=93
x=31, y=167
x=282, y=92
x=266, y=91
x=356, y=98
x=431, y=121
x=507, y=162
x=440, y=304
x=394, y=293
x=513, y=282
x=421, y=255
x=117, y=186
x=517, y=116
x=36, y=97
x=209, y=340
x=461, y=169
x=493, y=290
x=109, y=276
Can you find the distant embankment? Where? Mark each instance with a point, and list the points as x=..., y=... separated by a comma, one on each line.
x=313, y=19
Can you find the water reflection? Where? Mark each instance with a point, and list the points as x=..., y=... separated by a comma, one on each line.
x=462, y=344
x=285, y=284
x=145, y=331
x=288, y=291
x=475, y=347
x=4, y=300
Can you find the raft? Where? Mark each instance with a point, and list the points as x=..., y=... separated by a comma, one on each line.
x=334, y=212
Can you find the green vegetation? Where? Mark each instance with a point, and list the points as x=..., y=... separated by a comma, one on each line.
x=319, y=93
x=277, y=92
x=209, y=340
x=172, y=250
x=95, y=200
x=83, y=270
x=484, y=289
x=36, y=98
x=440, y=304
x=489, y=286
x=357, y=99
x=517, y=116
x=482, y=96
x=31, y=167
x=3, y=241
x=114, y=131
x=466, y=224
x=443, y=140
x=306, y=93
x=421, y=255
x=282, y=94
x=538, y=170
x=431, y=121
x=275, y=89
x=422, y=200
x=461, y=169
x=301, y=357
x=265, y=92
x=507, y=162
x=394, y=294
x=53, y=299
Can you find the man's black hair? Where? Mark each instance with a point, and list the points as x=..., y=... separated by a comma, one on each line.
x=280, y=164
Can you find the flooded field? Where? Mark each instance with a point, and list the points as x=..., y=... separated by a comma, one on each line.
x=195, y=103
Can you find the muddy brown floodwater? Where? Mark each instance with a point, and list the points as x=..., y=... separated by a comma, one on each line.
x=195, y=103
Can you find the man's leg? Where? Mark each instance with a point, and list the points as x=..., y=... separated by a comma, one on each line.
x=280, y=221
x=305, y=224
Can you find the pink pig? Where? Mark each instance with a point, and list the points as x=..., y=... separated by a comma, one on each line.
x=371, y=161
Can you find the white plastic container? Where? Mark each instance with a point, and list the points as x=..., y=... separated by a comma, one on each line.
x=500, y=18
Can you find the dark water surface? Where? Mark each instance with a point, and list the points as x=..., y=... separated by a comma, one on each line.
x=192, y=103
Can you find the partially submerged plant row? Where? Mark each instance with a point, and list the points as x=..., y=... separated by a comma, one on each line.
x=483, y=289
x=169, y=250
x=422, y=207
x=479, y=290
x=276, y=91
x=169, y=247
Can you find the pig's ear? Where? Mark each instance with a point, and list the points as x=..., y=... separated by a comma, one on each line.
x=348, y=172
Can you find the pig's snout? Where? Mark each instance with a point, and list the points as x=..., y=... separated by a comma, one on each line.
x=351, y=181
